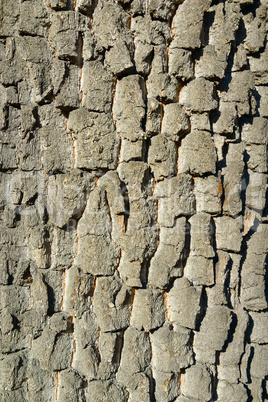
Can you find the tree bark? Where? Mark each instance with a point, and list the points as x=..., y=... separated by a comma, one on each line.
x=133, y=208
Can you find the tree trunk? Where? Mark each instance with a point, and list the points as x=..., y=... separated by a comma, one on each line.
x=133, y=205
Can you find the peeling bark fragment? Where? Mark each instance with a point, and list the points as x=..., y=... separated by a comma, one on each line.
x=212, y=64
x=142, y=26
x=198, y=96
x=13, y=371
x=175, y=122
x=105, y=390
x=173, y=347
x=226, y=19
x=183, y=303
x=257, y=132
x=162, y=157
x=227, y=119
x=131, y=151
x=134, y=369
x=57, y=4
x=201, y=235
x=110, y=345
x=199, y=270
x=162, y=9
x=86, y=355
x=229, y=366
x=256, y=66
x=259, y=365
x=39, y=293
x=53, y=141
x=197, y=154
x=187, y=23
x=262, y=95
x=38, y=58
x=64, y=33
x=140, y=240
x=167, y=385
x=154, y=117
x=239, y=90
x=219, y=294
x=34, y=18
x=78, y=291
x=134, y=175
x=111, y=183
x=70, y=384
x=166, y=262
x=257, y=158
x=141, y=223
x=111, y=24
x=197, y=383
x=256, y=191
x=162, y=86
x=129, y=107
x=259, y=333
x=112, y=303
x=255, y=27
x=233, y=182
x=39, y=247
x=96, y=142
x=208, y=192
x=98, y=91
x=69, y=193
x=180, y=62
x=253, y=295
x=10, y=10
x=41, y=383
x=118, y=59
x=130, y=271
x=227, y=390
x=213, y=333
x=148, y=309
x=94, y=234
x=231, y=227
x=53, y=351
x=175, y=197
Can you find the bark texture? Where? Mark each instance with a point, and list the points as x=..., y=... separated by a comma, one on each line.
x=133, y=209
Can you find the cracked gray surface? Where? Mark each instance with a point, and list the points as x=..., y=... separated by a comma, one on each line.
x=133, y=209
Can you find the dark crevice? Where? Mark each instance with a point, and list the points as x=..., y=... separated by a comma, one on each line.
x=250, y=358
x=241, y=33
x=203, y=309
x=266, y=278
x=118, y=349
x=27, y=276
x=250, y=8
x=88, y=8
x=144, y=273
x=152, y=383
x=257, y=98
x=215, y=378
x=124, y=192
x=225, y=82
x=208, y=20
x=146, y=147
x=231, y=332
x=16, y=323
x=222, y=164
x=51, y=300
x=249, y=396
x=244, y=183
x=226, y=284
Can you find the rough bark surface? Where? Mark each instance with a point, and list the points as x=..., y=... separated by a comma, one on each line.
x=133, y=211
